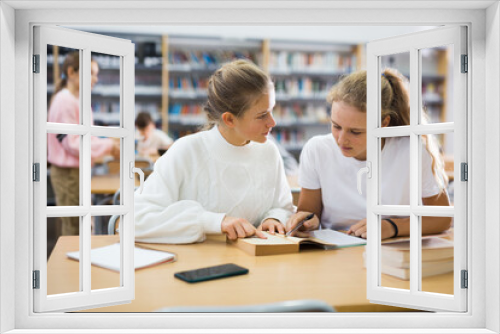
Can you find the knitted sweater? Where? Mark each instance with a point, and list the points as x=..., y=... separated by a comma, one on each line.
x=201, y=179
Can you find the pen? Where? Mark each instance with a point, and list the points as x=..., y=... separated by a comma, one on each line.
x=299, y=225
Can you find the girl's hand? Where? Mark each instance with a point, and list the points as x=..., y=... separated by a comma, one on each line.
x=310, y=225
x=239, y=228
x=272, y=225
x=359, y=229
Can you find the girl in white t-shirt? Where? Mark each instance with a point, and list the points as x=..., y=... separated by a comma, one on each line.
x=228, y=179
x=329, y=164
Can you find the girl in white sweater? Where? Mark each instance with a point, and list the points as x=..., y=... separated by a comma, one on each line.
x=228, y=179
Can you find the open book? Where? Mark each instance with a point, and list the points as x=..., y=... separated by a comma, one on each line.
x=279, y=244
x=109, y=257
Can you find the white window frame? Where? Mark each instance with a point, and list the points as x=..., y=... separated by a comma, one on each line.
x=85, y=43
x=484, y=104
x=412, y=44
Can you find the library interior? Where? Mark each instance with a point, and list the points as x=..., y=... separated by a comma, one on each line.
x=172, y=67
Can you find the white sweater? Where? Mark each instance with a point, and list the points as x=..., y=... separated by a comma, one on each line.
x=201, y=179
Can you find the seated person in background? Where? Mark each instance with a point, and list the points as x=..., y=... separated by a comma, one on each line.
x=228, y=179
x=151, y=139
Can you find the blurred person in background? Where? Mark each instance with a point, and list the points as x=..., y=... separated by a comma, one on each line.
x=150, y=139
x=63, y=150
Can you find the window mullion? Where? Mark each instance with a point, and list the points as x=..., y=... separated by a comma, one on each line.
x=406, y=210
x=414, y=171
x=85, y=167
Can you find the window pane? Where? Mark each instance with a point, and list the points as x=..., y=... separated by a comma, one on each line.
x=437, y=169
x=106, y=89
x=105, y=258
x=437, y=259
x=106, y=170
x=393, y=67
x=63, y=85
x=189, y=67
x=395, y=171
x=437, y=84
x=395, y=257
x=63, y=236
x=63, y=173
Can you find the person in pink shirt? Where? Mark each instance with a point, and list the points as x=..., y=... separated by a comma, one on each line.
x=63, y=150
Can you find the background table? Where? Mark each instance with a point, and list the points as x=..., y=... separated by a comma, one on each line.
x=335, y=276
x=106, y=184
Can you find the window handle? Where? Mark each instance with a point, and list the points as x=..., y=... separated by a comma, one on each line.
x=368, y=171
x=139, y=171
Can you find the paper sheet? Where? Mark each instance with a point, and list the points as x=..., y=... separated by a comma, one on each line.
x=337, y=238
x=109, y=257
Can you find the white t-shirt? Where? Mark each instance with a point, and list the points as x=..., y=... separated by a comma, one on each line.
x=158, y=139
x=322, y=166
x=202, y=178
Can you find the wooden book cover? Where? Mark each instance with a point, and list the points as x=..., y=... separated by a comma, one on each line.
x=279, y=244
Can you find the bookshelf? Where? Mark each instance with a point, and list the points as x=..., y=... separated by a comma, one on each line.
x=105, y=99
x=303, y=74
x=190, y=63
x=172, y=75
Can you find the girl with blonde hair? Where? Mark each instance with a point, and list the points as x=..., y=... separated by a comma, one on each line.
x=227, y=179
x=329, y=164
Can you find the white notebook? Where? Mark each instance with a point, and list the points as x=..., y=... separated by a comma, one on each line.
x=109, y=257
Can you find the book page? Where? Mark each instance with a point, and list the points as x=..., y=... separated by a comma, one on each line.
x=428, y=243
x=407, y=238
x=271, y=240
x=337, y=238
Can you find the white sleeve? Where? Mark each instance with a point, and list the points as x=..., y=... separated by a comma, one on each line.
x=160, y=217
x=308, y=174
x=165, y=140
x=282, y=207
x=430, y=186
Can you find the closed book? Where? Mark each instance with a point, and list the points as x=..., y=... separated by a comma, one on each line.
x=430, y=268
x=433, y=249
x=279, y=244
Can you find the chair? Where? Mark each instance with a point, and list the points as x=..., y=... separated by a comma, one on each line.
x=115, y=219
x=112, y=223
x=302, y=305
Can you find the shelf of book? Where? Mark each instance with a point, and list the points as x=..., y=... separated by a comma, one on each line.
x=172, y=76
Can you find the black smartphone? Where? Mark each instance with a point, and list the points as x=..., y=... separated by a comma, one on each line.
x=209, y=273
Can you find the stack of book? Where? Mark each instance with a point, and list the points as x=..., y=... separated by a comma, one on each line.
x=437, y=258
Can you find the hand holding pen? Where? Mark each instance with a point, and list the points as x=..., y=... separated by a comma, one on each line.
x=301, y=222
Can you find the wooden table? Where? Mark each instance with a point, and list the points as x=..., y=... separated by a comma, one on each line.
x=335, y=276
x=106, y=184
